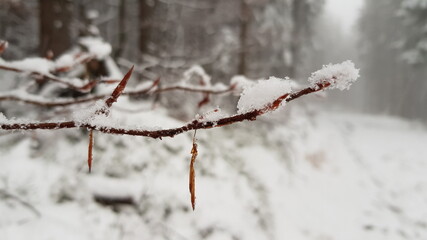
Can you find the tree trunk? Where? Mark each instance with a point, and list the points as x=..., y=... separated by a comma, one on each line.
x=122, y=29
x=146, y=11
x=55, y=19
x=299, y=25
x=243, y=38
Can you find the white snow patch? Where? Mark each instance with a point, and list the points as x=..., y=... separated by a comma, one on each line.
x=240, y=82
x=39, y=65
x=65, y=60
x=198, y=71
x=96, y=46
x=262, y=93
x=340, y=76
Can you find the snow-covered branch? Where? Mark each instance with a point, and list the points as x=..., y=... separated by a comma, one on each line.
x=143, y=89
x=252, y=104
x=256, y=99
x=44, y=69
x=38, y=69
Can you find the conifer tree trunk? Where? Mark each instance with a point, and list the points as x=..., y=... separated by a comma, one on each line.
x=298, y=18
x=146, y=11
x=55, y=19
x=243, y=38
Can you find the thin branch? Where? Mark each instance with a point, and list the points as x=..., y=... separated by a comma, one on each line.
x=196, y=89
x=192, y=173
x=82, y=60
x=38, y=75
x=194, y=125
x=119, y=89
x=90, y=151
x=39, y=101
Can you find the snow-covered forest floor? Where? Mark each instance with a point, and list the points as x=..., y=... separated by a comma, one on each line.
x=323, y=176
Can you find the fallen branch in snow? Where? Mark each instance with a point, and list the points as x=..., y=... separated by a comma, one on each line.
x=255, y=100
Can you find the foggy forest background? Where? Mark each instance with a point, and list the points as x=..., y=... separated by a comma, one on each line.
x=333, y=165
x=252, y=38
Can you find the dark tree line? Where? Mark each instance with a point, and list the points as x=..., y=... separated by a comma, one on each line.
x=250, y=37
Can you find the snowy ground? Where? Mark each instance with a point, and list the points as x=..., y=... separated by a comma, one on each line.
x=325, y=177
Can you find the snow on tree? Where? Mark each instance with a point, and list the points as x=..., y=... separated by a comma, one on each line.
x=255, y=100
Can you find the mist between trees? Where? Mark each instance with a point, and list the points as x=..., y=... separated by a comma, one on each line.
x=256, y=38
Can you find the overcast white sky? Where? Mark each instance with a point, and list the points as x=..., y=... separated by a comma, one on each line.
x=346, y=11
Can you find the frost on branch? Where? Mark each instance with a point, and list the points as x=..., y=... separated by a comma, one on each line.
x=339, y=76
x=262, y=93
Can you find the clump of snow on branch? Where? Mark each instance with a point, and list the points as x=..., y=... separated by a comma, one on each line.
x=240, y=82
x=43, y=65
x=39, y=65
x=197, y=70
x=96, y=46
x=340, y=76
x=196, y=78
x=65, y=60
x=262, y=93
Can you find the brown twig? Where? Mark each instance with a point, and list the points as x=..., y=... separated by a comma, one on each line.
x=149, y=90
x=119, y=89
x=40, y=76
x=196, y=90
x=192, y=173
x=194, y=125
x=90, y=151
x=82, y=60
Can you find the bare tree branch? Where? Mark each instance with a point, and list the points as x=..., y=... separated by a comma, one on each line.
x=40, y=76
x=45, y=102
x=194, y=125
